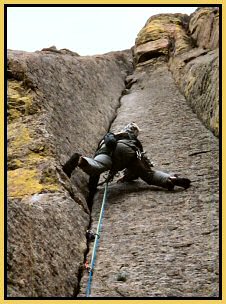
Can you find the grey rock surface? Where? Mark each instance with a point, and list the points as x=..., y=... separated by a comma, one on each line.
x=154, y=243
x=157, y=243
x=58, y=104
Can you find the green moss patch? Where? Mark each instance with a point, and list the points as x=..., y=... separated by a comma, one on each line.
x=19, y=100
x=22, y=182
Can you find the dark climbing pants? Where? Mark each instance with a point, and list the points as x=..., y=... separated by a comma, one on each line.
x=152, y=177
x=124, y=157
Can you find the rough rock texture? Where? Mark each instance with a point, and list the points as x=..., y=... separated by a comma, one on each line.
x=44, y=255
x=154, y=243
x=191, y=44
x=197, y=75
x=197, y=71
x=54, y=102
x=159, y=28
x=204, y=27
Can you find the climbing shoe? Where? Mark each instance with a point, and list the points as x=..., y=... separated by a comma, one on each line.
x=71, y=164
x=181, y=182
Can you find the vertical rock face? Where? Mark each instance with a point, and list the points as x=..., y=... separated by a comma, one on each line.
x=197, y=71
x=191, y=46
x=154, y=243
x=58, y=103
x=204, y=27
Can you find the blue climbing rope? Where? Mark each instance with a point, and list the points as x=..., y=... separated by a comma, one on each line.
x=96, y=242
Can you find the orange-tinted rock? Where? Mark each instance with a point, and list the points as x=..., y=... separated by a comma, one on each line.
x=204, y=27
x=171, y=27
x=197, y=70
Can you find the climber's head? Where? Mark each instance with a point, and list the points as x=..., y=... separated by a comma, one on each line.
x=132, y=128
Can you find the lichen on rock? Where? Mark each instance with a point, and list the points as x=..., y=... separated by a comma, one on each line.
x=168, y=27
x=186, y=42
x=19, y=100
x=54, y=97
x=60, y=103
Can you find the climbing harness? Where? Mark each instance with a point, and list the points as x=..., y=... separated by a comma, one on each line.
x=96, y=241
x=139, y=154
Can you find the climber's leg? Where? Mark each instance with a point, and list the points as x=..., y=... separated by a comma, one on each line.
x=96, y=165
x=158, y=178
x=165, y=180
x=91, y=166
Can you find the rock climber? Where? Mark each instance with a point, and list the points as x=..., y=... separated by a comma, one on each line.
x=122, y=151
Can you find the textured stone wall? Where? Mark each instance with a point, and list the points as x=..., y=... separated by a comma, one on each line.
x=154, y=242
x=190, y=44
x=204, y=27
x=58, y=103
x=197, y=71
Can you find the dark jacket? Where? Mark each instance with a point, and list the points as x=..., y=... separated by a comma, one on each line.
x=121, y=148
x=108, y=144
